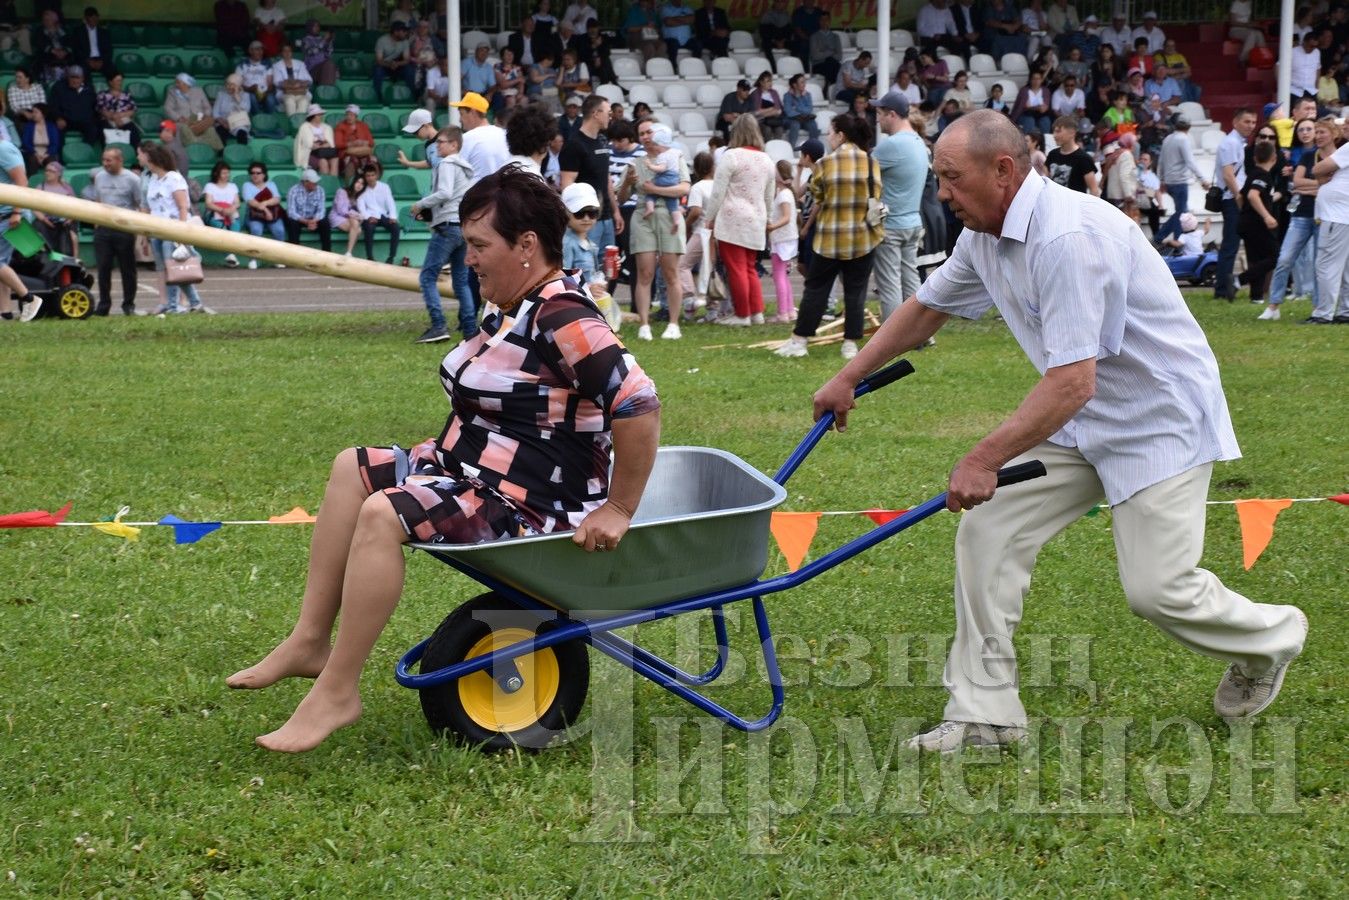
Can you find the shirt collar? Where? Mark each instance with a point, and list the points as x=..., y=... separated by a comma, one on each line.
x=1016, y=224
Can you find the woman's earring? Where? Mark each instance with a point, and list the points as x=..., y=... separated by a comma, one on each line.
x=525, y=263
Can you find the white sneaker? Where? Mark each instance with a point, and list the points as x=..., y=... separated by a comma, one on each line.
x=699, y=301
x=948, y=737
x=1271, y=314
x=741, y=321
x=279, y=265
x=32, y=305
x=231, y=260
x=252, y=263
x=756, y=319
x=848, y=350
x=793, y=347
x=1241, y=696
x=671, y=333
x=644, y=333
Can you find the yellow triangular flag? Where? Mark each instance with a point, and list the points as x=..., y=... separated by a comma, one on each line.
x=117, y=529
x=298, y=514
x=1257, y=526
x=794, y=531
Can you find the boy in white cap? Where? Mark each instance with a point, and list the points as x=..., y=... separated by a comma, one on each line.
x=579, y=252
x=667, y=168
x=419, y=123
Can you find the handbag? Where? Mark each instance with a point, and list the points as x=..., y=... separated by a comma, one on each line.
x=650, y=34
x=238, y=120
x=1213, y=200
x=116, y=136
x=184, y=271
x=716, y=287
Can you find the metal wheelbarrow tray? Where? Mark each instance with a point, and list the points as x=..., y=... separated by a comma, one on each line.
x=509, y=668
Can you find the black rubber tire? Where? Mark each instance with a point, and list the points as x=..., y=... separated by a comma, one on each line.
x=74, y=302
x=451, y=644
x=1208, y=276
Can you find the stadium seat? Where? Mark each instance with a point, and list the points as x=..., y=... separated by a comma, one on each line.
x=627, y=69
x=330, y=185
x=159, y=36
x=124, y=35
x=198, y=37
x=664, y=116
x=611, y=92
x=779, y=150
x=900, y=39
x=285, y=181
x=471, y=39
x=144, y=94
x=238, y=156
x=816, y=94
x=693, y=125
x=1014, y=64
x=208, y=65
x=212, y=90
x=978, y=91
x=330, y=94
x=76, y=155
x=379, y=124
x=278, y=155
x=128, y=152
x=363, y=95
x=200, y=156
x=148, y=121
x=658, y=68
x=868, y=39
x=1194, y=112
x=387, y=154
x=725, y=67
x=756, y=66
x=129, y=63
x=693, y=67
x=709, y=96
x=1010, y=88
x=354, y=67
x=167, y=65
x=983, y=64
x=270, y=125
x=677, y=96
x=741, y=41
x=790, y=66
x=78, y=182
x=1210, y=140
x=953, y=62
x=643, y=93
x=403, y=187
x=400, y=94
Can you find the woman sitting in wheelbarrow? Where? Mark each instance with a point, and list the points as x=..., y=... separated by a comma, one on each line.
x=537, y=399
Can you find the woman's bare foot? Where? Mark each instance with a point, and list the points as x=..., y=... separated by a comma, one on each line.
x=319, y=714
x=292, y=658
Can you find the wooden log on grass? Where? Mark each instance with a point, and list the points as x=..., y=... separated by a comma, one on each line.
x=318, y=261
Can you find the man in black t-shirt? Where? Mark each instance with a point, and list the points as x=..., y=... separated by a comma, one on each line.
x=585, y=158
x=1068, y=164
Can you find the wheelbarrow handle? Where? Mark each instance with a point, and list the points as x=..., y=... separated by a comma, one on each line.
x=1021, y=472
x=889, y=375
x=872, y=382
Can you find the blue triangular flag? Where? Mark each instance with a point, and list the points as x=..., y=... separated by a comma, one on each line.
x=185, y=532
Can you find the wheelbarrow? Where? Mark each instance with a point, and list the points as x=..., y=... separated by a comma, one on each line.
x=509, y=667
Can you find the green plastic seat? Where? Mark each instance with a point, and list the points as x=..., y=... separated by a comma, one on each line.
x=238, y=156
x=270, y=125
x=330, y=94
x=144, y=94
x=285, y=181
x=76, y=155
x=208, y=65
x=168, y=65
x=353, y=67
x=78, y=182
x=132, y=64
x=212, y=90
x=387, y=154
x=200, y=156
x=331, y=184
x=379, y=125
x=128, y=152
x=198, y=36
x=400, y=95
x=403, y=187
x=363, y=95
x=278, y=154
x=148, y=121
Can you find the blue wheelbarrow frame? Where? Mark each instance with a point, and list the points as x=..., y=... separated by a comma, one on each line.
x=598, y=632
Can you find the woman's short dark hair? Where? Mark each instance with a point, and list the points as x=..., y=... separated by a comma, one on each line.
x=159, y=156
x=259, y=164
x=530, y=130
x=855, y=129
x=219, y=167
x=42, y=108
x=519, y=201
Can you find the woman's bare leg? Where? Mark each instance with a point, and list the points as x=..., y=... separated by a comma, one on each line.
x=674, y=289
x=304, y=652
x=370, y=591
x=353, y=233
x=641, y=290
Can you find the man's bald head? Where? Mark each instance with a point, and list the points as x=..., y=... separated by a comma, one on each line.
x=986, y=135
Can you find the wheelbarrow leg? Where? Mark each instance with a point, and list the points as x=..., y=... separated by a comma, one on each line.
x=661, y=672
x=626, y=647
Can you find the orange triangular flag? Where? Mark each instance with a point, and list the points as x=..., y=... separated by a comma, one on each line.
x=297, y=514
x=881, y=516
x=794, y=531
x=1257, y=525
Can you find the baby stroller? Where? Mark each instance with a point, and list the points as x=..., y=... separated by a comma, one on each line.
x=63, y=283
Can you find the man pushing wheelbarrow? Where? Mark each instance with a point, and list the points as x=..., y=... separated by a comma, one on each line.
x=1129, y=408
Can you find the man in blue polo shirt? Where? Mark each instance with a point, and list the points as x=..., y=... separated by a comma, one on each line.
x=902, y=156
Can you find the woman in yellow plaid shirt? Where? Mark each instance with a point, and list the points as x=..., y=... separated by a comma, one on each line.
x=844, y=181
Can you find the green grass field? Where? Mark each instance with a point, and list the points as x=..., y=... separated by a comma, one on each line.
x=127, y=768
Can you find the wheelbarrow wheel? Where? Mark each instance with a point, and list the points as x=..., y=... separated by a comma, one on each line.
x=476, y=710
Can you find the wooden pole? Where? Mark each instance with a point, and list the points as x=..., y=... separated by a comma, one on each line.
x=274, y=251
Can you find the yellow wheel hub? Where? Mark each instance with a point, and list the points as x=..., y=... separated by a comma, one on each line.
x=76, y=303
x=493, y=708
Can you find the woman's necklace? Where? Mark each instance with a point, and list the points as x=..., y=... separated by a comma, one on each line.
x=510, y=307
